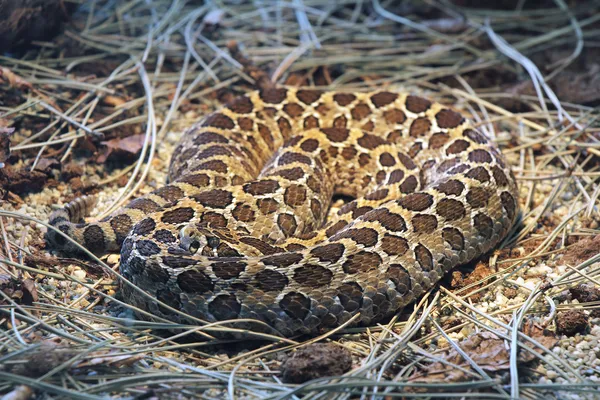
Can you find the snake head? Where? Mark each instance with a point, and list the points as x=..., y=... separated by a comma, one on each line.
x=193, y=238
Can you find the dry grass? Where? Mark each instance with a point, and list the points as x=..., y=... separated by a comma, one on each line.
x=159, y=55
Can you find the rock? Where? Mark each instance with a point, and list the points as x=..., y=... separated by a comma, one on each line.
x=71, y=170
x=316, y=361
x=571, y=322
x=27, y=20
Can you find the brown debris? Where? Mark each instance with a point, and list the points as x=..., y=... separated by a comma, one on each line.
x=582, y=250
x=70, y=171
x=461, y=280
x=571, y=322
x=21, y=180
x=316, y=361
x=46, y=165
x=27, y=20
x=122, y=148
x=585, y=293
x=13, y=80
x=20, y=291
x=487, y=350
x=41, y=360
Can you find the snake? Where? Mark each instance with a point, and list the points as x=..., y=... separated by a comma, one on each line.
x=244, y=229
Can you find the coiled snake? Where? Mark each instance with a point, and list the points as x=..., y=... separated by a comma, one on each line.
x=241, y=230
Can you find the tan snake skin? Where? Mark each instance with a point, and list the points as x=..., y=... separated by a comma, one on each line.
x=241, y=231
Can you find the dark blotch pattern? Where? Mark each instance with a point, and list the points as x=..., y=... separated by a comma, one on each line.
x=144, y=227
x=93, y=237
x=480, y=156
x=390, y=221
x=419, y=127
x=343, y=99
x=448, y=119
x=475, y=136
x=351, y=296
x=282, y=260
x=308, y=96
x=178, y=215
x=287, y=223
x=508, y=203
x=479, y=173
x=313, y=275
x=454, y=238
x=478, y=197
x=219, y=120
x=382, y=99
x=394, y=245
x=228, y=269
x=363, y=261
x=295, y=305
x=401, y=278
x=241, y=105
x=424, y=223
x=224, y=306
x=370, y=142
x=409, y=185
x=146, y=205
x=194, y=281
x=273, y=96
x=261, y=187
x=336, y=135
x=291, y=157
x=164, y=236
x=451, y=187
x=329, y=253
x=121, y=225
x=417, y=104
x=438, y=140
x=364, y=236
x=450, y=209
x=176, y=262
x=217, y=198
x=147, y=248
x=271, y=280
x=484, y=225
x=424, y=257
x=416, y=201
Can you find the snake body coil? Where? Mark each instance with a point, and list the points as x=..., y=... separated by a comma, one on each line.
x=242, y=230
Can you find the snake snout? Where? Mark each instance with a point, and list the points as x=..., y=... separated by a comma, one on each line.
x=192, y=240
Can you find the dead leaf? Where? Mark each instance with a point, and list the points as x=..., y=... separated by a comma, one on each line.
x=113, y=101
x=20, y=291
x=46, y=165
x=14, y=80
x=487, y=350
x=127, y=147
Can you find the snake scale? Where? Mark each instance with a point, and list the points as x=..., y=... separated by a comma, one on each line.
x=242, y=229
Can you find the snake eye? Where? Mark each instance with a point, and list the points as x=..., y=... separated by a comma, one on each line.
x=194, y=247
x=213, y=242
